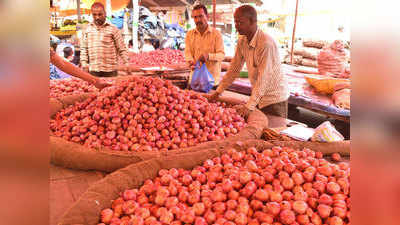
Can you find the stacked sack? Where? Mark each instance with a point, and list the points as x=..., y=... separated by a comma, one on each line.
x=342, y=94
x=307, y=54
x=332, y=60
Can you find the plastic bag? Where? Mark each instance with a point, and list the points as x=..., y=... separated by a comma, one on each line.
x=202, y=80
x=326, y=132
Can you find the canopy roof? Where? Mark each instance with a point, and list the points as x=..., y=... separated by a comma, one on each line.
x=173, y=3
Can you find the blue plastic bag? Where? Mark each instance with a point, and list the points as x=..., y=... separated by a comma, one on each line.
x=202, y=80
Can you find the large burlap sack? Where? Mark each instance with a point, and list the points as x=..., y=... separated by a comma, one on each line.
x=342, y=85
x=309, y=62
x=341, y=98
x=296, y=59
x=327, y=148
x=309, y=53
x=315, y=43
x=87, y=209
x=332, y=60
x=57, y=104
x=75, y=156
x=100, y=195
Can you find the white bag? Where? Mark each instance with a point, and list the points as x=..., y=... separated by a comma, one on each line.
x=326, y=132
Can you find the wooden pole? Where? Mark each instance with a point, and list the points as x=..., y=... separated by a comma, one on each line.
x=78, y=8
x=214, y=12
x=294, y=32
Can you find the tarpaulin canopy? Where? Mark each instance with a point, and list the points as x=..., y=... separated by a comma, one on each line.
x=116, y=5
x=174, y=3
x=69, y=7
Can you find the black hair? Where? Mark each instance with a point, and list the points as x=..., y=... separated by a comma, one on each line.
x=98, y=5
x=248, y=11
x=201, y=6
x=131, y=42
x=53, y=45
x=67, y=52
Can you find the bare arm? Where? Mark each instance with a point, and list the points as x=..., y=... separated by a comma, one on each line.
x=75, y=71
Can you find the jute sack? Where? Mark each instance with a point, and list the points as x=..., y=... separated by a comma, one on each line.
x=327, y=148
x=75, y=156
x=100, y=195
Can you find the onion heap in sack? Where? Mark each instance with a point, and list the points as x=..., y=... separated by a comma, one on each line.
x=144, y=114
x=274, y=186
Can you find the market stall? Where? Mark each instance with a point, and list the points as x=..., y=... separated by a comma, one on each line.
x=301, y=94
x=146, y=152
x=68, y=186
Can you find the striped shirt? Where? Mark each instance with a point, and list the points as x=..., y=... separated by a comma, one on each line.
x=261, y=55
x=209, y=43
x=101, y=47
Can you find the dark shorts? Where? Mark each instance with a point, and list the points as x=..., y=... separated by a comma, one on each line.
x=104, y=74
x=277, y=109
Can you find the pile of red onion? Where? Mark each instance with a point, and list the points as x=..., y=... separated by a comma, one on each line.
x=275, y=186
x=143, y=114
x=165, y=57
x=70, y=86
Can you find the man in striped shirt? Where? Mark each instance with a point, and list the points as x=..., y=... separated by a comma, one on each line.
x=260, y=52
x=101, y=45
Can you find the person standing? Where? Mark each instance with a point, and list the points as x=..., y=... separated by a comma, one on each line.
x=260, y=52
x=204, y=43
x=68, y=54
x=102, y=43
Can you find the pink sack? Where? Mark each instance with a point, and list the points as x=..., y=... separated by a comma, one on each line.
x=332, y=60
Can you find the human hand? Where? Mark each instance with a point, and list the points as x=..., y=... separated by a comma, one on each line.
x=242, y=110
x=100, y=84
x=203, y=58
x=192, y=65
x=213, y=97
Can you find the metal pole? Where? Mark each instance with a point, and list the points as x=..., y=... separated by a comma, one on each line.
x=294, y=32
x=214, y=12
x=135, y=24
x=78, y=8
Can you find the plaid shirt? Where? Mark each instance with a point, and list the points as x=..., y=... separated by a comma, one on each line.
x=101, y=47
x=261, y=56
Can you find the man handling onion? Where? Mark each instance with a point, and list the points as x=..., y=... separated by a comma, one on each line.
x=260, y=52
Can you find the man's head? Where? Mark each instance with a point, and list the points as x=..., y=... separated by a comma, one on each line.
x=68, y=52
x=98, y=13
x=245, y=19
x=200, y=16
